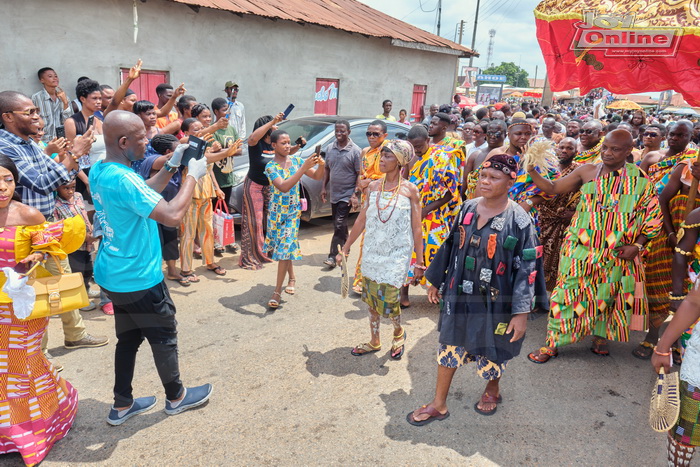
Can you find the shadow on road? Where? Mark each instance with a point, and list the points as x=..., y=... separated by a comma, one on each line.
x=339, y=362
x=92, y=440
x=251, y=298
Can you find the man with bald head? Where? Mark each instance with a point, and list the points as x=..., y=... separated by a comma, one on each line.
x=128, y=264
x=590, y=142
x=600, y=287
x=548, y=126
x=661, y=166
x=434, y=108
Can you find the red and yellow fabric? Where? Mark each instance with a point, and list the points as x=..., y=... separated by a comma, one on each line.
x=434, y=175
x=162, y=122
x=626, y=46
x=659, y=257
x=596, y=292
x=458, y=151
x=37, y=406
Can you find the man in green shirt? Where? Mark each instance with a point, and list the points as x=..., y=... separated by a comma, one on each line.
x=223, y=170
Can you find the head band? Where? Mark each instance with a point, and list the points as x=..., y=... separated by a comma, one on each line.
x=504, y=163
x=402, y=150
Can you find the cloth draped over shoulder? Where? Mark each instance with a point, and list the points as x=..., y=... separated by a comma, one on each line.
x=487, y=275
x=58, y=238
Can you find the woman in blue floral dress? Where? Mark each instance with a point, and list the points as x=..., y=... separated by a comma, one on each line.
x=284, y=172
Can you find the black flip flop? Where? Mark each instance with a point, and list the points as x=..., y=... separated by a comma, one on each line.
x=183, y=281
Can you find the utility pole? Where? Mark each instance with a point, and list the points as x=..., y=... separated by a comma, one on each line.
x=461, y=31
x=534, y=83
x=439, y=6
x=476, y=21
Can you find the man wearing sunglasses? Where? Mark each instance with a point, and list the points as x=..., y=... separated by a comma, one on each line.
x=591, y=140
x=652, y=139
x=39, y=177
x=376, y=137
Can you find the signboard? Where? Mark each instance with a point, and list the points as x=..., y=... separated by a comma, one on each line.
x=492, y=78
x=326, y=97
x=536, y=94
x=487, y=95
x=665, y=99
x=468, y=72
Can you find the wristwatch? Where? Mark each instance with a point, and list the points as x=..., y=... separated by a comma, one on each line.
x=529, y=202
x=170, y=168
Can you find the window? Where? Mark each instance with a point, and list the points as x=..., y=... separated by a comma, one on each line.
x=326, y=97
x=145, y=84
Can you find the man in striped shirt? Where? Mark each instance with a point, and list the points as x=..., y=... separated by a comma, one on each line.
x=52, y=102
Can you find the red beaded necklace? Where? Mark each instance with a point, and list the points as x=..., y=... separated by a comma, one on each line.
x=393, y=201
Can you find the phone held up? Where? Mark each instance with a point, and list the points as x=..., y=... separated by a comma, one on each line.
x=91, y=121
x=60, y=132
x=288, y=110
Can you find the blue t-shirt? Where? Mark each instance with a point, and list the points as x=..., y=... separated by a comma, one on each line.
x=129, y=258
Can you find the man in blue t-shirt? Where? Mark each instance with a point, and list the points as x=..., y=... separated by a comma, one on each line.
x=128, y=264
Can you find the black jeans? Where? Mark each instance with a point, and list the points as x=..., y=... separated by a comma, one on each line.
x=146, y=314
x=340, y=226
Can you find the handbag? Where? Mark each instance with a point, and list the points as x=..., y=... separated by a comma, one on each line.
x=224, y=233
x=57, y=294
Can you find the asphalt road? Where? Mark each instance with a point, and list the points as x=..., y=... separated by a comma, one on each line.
x=288, y=392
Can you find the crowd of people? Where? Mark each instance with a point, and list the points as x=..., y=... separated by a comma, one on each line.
x=499, y=212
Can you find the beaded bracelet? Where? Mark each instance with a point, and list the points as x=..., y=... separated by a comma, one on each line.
x=683, y=252
x=676, y=297
x=663, y=354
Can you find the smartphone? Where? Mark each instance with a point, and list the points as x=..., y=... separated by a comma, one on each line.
x=91, y=121
x=289, y=109
x=194, y=151
x=60, y=132
x=317, y=150
x=228, y=113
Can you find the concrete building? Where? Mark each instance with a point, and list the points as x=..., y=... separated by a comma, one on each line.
x=278, y=51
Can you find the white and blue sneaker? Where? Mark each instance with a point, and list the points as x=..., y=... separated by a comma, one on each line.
x=140, y=405
x=194, y=397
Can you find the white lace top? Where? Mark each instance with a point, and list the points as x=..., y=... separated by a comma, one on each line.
x=387, y=248
x=690, y=370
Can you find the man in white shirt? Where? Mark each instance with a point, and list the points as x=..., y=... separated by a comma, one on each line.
x=236, y=109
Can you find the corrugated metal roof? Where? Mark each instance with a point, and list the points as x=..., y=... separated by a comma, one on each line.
x=345, y=15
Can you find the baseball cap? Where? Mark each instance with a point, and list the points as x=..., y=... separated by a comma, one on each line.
x=230, y=84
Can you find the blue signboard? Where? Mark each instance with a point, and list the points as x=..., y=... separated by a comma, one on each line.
x=492, y=78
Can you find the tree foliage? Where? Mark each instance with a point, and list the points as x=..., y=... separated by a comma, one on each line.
x=517, y=77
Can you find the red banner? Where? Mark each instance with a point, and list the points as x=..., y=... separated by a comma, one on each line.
x=326, y=98
x=588, y=46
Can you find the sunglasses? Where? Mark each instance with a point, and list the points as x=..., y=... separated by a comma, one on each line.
x=32, y=111
x=495, y=134
x=588, y=131
x=373, y=133
x=650, y=135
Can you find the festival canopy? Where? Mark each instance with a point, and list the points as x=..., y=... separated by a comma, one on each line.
x=624, y=104
x=624, y=46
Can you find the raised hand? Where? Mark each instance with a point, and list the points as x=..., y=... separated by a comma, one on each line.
x=135, y=71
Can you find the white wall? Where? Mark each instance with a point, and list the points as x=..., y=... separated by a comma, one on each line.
x=274, y=62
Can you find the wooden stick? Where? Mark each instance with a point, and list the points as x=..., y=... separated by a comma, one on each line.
x=690, y=205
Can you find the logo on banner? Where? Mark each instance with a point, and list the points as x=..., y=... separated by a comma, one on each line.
x=616, y=36
x=327, y=94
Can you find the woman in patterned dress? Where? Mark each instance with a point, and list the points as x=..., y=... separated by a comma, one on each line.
x=284, y=211
x=37, y=406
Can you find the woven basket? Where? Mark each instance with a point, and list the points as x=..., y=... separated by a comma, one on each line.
x=665, y=402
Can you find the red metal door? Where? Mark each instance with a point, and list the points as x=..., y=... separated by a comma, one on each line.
x=419, y=91
x=145, y=84
x=326, y=97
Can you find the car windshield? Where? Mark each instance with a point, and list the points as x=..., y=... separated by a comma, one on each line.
x=311, y=130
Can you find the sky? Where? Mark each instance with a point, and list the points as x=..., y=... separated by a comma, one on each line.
x=513, y=20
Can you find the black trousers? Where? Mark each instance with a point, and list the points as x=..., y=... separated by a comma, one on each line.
x=169, y=242
x=148, y=314
x=340, y=226
x=80, y=261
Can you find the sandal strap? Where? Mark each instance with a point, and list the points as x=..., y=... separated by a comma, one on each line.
x=489, y=399
x=548, y=351
x=646, y=345
x=367, y=347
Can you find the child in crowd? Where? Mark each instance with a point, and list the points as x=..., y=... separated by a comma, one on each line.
x=69, y=203
x=284, y=173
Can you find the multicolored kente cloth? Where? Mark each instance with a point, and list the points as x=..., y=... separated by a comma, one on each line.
x=590, y=156
x=687, y=428
x=659, y=257
x=524, y=188
x=459, y=152
x=597, y=292
x=37, y=406
x=434, y=176
x=284, y=212
x=553, y=225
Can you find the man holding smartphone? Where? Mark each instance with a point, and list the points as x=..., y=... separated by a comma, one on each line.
x=343, y=169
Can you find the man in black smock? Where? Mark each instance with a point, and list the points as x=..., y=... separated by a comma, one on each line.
x=484, y=277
